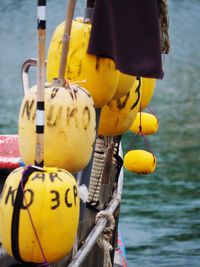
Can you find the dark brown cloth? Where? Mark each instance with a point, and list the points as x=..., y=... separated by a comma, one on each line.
x=127, y=31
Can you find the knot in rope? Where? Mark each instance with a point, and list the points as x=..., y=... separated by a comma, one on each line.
x=71, y=86
x=104, y=238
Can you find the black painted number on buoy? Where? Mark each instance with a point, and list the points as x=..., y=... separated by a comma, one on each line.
x=56, y=198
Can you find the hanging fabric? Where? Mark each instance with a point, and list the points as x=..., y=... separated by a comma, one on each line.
x=129, y=33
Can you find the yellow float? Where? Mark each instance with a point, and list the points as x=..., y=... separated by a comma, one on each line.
x=117, y=116
x=140, y=161
x=148, y=87
x=99, y=75
x=51, y=197
x=69, y=127
x=148, y=123
x=124, y=85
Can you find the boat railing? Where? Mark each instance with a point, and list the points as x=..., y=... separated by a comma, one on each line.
x=100, y=225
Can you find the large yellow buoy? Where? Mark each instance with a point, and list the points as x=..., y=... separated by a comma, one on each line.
x=148, y=87
x=69, y=127
x=124, y=85
x=117, y=116
x=145, y=123
x=140, y=161
x=51, y=201
x=99, y=74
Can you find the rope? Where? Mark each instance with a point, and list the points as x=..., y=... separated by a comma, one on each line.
x=101, y=148
x=164, y=25
x=153, y=113
x=104, y=239
x=140, y=133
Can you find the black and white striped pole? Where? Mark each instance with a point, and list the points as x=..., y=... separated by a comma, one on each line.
x=41, y=28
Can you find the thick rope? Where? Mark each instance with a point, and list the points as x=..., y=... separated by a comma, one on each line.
x=97, y=170
x=104, y=239
x=164, y=25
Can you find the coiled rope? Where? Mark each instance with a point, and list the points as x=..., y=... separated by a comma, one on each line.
x=97, y=170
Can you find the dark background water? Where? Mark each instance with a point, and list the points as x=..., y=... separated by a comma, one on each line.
x=160, y=213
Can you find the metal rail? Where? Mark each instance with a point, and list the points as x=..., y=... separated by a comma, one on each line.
x=101, y=224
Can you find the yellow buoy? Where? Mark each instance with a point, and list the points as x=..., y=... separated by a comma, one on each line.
x=69, y=127
x=117, y=116
x=99, y=74
x=147, y=121
x=124, y=85
x=148, y=87
x=140, y=161
x=51, y=197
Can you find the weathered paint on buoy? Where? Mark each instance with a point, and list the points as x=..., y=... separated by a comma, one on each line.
x=51, y=197
x=125, y=83
x=99, y=74
x=117, y=116
x=69, y=127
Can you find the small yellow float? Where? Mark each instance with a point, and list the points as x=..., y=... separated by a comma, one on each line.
x=140, y=161
x=145, y=123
